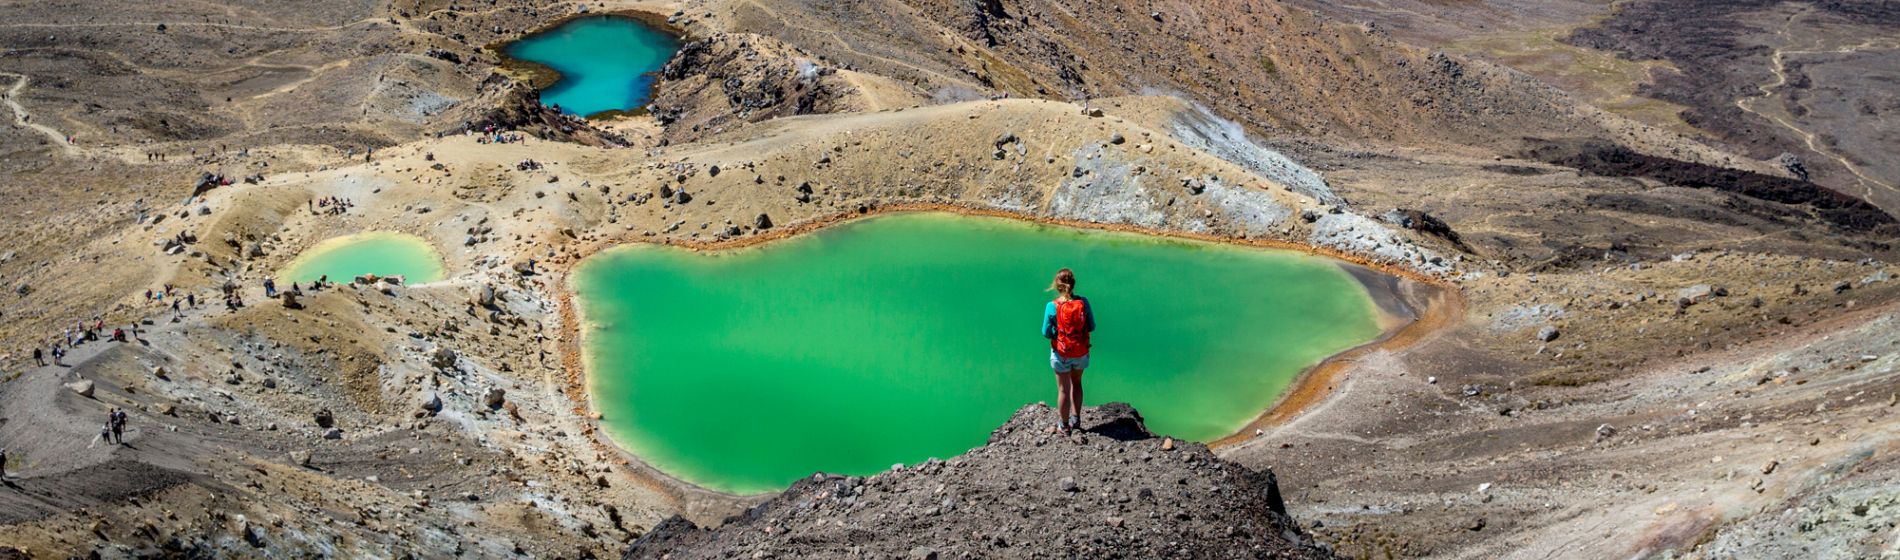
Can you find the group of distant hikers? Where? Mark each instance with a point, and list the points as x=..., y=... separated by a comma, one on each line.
x=296, y=289
x=80, y=333
x=95, y=329
x=330, y=205
x=492, y=135
x=114, y=430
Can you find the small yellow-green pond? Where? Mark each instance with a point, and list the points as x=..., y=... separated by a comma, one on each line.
x=381, y=253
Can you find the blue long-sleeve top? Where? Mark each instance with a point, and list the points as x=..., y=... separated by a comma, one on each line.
x=1049, y=318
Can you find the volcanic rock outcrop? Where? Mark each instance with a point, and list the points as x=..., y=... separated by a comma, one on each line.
x=1112, y=490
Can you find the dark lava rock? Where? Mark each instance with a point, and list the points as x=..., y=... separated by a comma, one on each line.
x=1008, y=499
x=762, y=222
x=1423, y=222
x=1601, y=158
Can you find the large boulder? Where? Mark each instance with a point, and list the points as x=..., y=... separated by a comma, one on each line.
x=1694, y=294
x=83, y=387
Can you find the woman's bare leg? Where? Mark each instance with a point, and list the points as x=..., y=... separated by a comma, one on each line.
x=1063, y=397
x=1075, y=395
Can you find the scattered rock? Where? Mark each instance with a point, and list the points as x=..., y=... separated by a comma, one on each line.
x=300, y=458
x=762, y=222
x=495, y=398
x=254, y=536
x=1694, y=294
x=83, y=387
x=1067, y=484
x=1547, y=334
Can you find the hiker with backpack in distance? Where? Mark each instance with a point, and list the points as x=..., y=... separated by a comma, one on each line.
x=1067, y=322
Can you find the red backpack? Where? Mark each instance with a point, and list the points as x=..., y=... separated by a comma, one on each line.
x=1072, y=329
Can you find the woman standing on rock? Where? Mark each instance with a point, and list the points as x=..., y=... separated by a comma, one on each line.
x=1067, y=322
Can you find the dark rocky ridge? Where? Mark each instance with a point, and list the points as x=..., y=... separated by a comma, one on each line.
x=1601, y=158
x=512, y=105
x=737, y=78
x=1114, y=491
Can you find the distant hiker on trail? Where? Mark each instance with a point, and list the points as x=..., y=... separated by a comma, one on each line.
x=270, y=288
x=39, y=357
x=118, y=335
x=105, y=433
x=1067, y=322
x=57, y=355
x=3, y=462
x=117, y=421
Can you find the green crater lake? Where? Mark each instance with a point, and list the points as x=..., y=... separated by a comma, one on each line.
x=379, y=253
x=607, y=63
x=899, y=338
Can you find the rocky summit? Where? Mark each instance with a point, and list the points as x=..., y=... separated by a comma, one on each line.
x=1109, y=490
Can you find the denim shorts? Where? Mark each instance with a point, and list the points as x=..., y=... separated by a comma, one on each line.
x=1065, y=365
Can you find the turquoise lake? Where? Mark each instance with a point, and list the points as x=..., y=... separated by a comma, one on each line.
x=899, y=338
x=607, y=63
